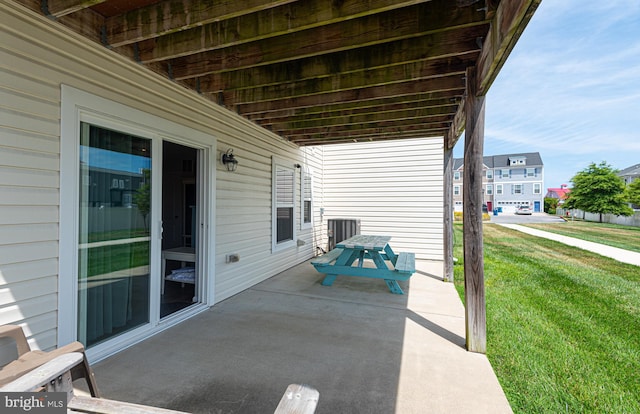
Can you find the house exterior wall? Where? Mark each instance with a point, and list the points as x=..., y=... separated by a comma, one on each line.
x=394, y=189
x=518, y=187
x=37, y=61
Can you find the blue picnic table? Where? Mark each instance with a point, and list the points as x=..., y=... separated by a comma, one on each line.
x=340, y=261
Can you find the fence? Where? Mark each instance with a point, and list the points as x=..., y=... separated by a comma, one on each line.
x=633, y=220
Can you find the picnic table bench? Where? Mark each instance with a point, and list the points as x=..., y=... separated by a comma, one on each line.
x=340, y=261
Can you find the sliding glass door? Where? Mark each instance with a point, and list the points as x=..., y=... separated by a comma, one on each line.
x=114, y=243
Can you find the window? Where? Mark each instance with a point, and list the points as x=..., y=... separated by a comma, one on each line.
x=517, y=160
x=456, y=190
x=537, y=188
x=489, y=189
x=456, y=175
x=517, y=189
x=489, y=174
x=306, y=198
x=505, y=173
x=530, y=172
x=283, y=205
x=499, y=189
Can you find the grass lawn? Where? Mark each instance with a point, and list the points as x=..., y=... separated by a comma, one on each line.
x=563, y=324
x=624, y=237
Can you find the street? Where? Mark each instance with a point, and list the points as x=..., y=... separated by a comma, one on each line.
x=513, y=218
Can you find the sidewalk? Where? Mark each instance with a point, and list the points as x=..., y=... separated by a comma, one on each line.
x=621, y=255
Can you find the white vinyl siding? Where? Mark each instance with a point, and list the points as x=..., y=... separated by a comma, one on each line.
x=37, y=60
x=393, y=187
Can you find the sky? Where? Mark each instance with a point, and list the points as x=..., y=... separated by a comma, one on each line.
x=570, y=89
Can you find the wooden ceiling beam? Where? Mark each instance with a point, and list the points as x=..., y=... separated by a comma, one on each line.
x=59, y=8
x=173, y=16
x=445, y=46
x=424, y=115
x=358, y=111
x=367, y=31
x=323, y=139
x=418, y=99
x=414, y=72
x=360, y=95
x=449, y=83
x=441, y=121
x=281, y=20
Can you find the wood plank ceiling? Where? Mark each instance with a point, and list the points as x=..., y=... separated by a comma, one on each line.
x=314, y=71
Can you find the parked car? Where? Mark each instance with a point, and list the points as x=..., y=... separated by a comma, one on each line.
x=524, y=210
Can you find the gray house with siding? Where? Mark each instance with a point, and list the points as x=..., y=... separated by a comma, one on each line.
x=509, y=180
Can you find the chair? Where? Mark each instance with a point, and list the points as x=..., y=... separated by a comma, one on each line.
x=23, y=359
x=55, y=376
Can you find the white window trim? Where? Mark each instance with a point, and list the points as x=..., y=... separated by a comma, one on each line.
x=499, y=190
x=77, y=106
x=537, y=188
x=275, y=246
x=456, y=190
x=304, y=171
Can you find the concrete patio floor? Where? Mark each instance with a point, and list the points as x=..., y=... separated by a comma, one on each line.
x=366, y=351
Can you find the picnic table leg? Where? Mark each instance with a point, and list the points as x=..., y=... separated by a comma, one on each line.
x=391, y=256
x=378, y=259
x=394, y=287
x=345, y=259
x=328, y=280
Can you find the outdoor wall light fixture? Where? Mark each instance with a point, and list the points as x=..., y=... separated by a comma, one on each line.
x=229, y=160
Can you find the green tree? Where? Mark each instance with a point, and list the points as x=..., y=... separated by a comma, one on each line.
x=633, y=192
x=550, y=205
x=142, y=197
x=598, y=189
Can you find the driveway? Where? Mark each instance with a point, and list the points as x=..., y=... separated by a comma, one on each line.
x=512, y=218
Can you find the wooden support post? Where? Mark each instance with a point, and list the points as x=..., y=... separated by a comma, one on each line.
x=476, y=324
x=448, y=213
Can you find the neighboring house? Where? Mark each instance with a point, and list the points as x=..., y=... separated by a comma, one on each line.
x=560, y=194
x=508, y=181
x=85, y=237
x=630, y=174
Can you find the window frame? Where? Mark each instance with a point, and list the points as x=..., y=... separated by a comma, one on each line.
x=499, y=189
x=276, y=164
x=456, y=190
x=537, y=188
